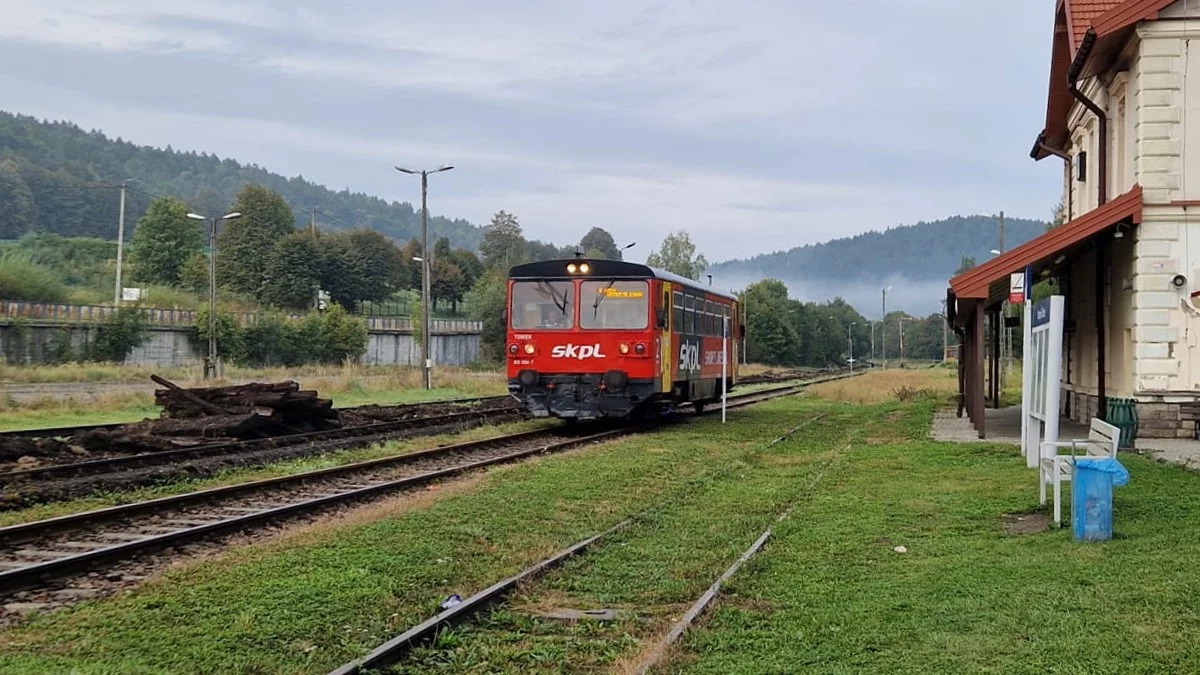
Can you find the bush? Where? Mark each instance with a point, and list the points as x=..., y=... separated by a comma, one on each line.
x=123, y=331
x=21, y=278
x=231, y=343
x=270, y=341
x=330, y=337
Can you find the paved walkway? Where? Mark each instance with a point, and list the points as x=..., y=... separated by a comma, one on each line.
x=1004, y=427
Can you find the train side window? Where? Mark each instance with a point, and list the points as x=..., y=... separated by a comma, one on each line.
x=678, y=304
x=712, y=318
x=689, y=314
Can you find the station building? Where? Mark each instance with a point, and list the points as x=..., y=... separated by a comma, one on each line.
x=1123, y=117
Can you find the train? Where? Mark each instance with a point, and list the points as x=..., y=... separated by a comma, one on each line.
x=595, y=338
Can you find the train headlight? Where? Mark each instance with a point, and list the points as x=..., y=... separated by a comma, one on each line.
x=624, y=348
x=529, y=348
x=513, y=349
x=571, y=269
x=584, y=268
x=639, y=348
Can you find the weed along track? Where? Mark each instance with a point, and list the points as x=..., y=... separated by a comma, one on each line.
x=36, y=552
x=374, y=424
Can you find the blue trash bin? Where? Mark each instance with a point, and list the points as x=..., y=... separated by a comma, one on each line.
x=1092, y=496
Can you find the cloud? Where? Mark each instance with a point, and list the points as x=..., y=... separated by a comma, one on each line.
x=757, y=125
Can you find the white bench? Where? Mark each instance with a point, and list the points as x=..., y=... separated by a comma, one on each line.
x=1102, y=441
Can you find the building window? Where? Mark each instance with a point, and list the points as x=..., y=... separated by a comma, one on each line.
x=1081, y=166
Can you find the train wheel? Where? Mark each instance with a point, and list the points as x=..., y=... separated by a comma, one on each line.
x=699, y=406
x=571, y=421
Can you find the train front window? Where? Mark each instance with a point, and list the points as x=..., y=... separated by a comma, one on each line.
x=614, y=305
x=543, y=305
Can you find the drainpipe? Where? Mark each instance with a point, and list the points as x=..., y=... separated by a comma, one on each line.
x=1041, y=145
x=1072, y=85
x=1101, y=244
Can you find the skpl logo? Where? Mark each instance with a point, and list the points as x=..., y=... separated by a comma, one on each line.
x=689, y=357
x=581, y=352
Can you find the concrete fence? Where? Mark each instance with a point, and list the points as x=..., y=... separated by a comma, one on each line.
x=33, y=332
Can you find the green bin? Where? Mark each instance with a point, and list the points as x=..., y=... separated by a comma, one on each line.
x=1122, y=413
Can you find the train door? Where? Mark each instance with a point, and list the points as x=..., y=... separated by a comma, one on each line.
x=665, y=349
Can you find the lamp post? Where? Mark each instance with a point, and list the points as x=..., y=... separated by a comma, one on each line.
x=211, y=363
x=425, y=267
x=883, y=327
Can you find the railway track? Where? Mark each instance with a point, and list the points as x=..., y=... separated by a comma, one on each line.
x=60, y=481
x=67, y=432
x=35, y=554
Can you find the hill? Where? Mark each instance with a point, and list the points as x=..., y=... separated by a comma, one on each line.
x=56, y=177
x=915, y=260
x=925, y=251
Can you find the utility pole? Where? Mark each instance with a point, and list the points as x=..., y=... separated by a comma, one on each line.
x=120, y=245
x=850, y=342
x=883, y=328
x=901, y=322
x=872, y=339
x=312, y=226
x=427, y=254
x=426, y=333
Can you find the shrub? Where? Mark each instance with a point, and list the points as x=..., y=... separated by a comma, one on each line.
x=231, y=343
x=123, y=331
x=21, y=278
x=270, y=341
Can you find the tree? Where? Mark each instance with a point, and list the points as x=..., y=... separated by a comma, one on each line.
x=164, y=241
x=598, y=243
x=18, y=211
x=247, y=242
x=503, y=246
x=678, y=256
x=487, y=301
x=375, y=260
x=292, y=273
x=967, y=263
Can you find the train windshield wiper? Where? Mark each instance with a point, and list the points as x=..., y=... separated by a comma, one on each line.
x=600, y=298
x=560, y=304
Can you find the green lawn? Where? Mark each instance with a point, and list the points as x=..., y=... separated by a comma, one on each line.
x=828, y=594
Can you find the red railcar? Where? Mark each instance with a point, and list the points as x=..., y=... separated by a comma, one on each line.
x=608, y=338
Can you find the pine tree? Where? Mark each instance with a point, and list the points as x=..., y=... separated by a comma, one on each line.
x=18, y=211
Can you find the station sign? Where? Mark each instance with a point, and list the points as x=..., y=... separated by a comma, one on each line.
x=1016, y=288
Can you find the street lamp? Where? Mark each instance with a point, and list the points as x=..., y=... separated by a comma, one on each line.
x=211, y=363
x=425, y=267
x=883, y=328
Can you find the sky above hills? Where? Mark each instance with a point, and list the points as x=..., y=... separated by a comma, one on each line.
x=756, y=125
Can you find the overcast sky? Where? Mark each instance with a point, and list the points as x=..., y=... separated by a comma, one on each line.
x=756, y=125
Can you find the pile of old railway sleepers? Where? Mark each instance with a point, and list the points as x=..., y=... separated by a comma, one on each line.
x=256, y=409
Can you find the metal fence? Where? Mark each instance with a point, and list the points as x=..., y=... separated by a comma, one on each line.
x=40, y=312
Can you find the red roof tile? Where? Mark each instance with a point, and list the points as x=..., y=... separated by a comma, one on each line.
x=1083, y=14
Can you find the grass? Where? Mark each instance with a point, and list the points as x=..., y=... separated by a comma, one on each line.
x=347, y=385
x=342, y=588
x=235, y=476
x=828, y=594
x=880, y=386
